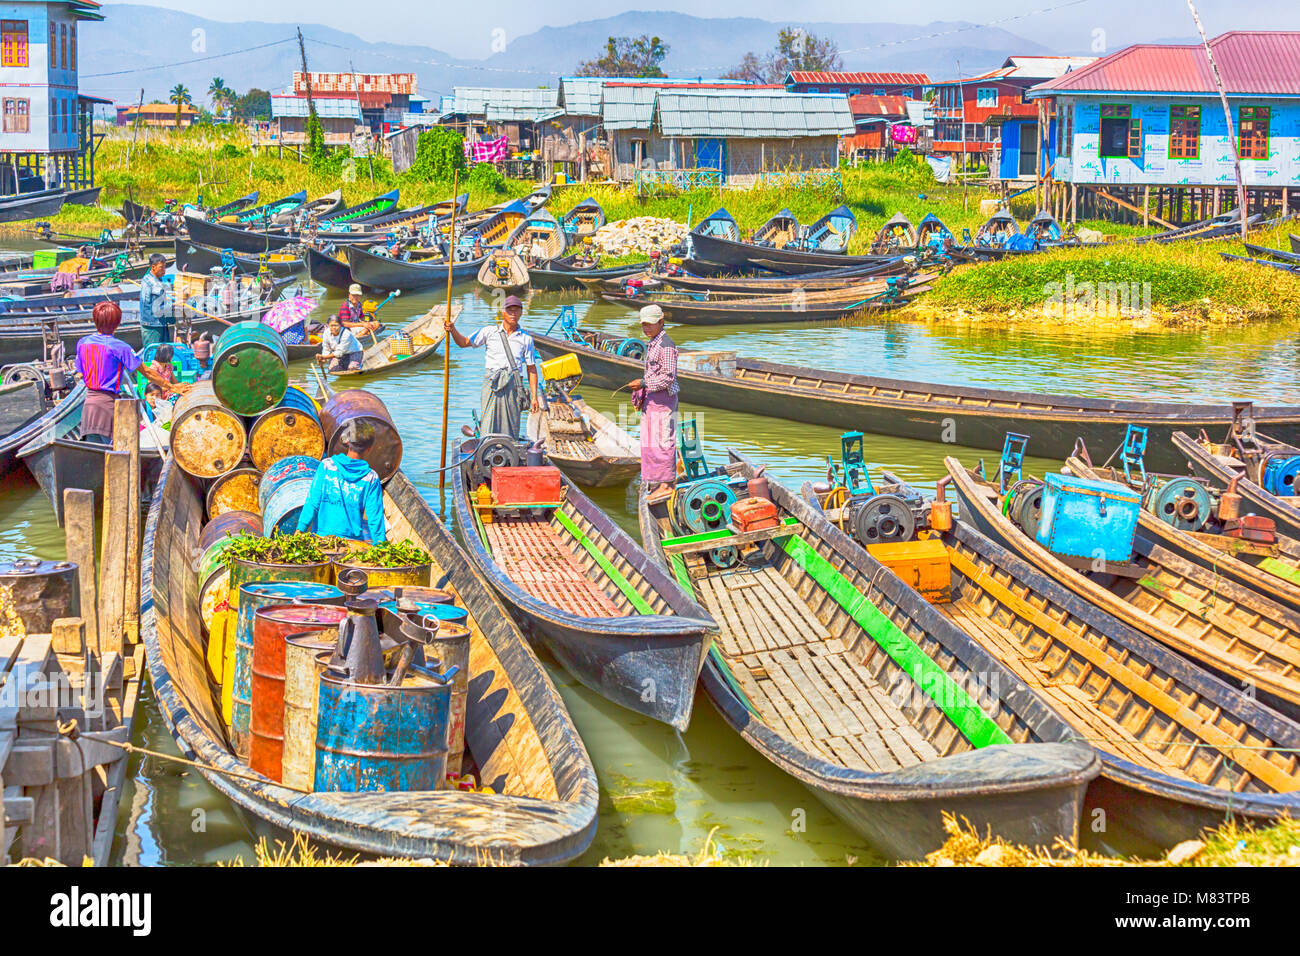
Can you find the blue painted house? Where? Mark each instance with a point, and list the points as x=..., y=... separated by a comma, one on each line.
x=46, y=122
x=1150, y=116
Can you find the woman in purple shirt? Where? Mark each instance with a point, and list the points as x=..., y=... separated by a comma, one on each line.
x=102, y=359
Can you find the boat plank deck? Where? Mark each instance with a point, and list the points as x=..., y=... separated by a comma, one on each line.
x=532, y=553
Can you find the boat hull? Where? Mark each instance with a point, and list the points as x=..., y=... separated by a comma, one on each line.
x=388, y=274
x=220, y=236
x=743, y=255
x=326, y=270
x=21, y=207
x=200, y=260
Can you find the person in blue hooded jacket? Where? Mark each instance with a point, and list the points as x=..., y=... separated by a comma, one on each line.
x=346, y=497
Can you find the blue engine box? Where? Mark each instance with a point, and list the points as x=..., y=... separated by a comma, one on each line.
x=1083, y=518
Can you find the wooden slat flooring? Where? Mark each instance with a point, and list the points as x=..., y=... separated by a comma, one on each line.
x=801, y=680
x=535, y=557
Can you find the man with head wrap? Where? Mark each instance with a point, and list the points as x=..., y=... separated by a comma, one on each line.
x=656, y=397
x=346, y=497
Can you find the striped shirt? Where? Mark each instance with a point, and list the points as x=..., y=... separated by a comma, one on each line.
x=661, y=365
x=101, y=360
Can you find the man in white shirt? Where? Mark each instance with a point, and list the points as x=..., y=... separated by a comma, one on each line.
x=503, y=393
x=339, y=347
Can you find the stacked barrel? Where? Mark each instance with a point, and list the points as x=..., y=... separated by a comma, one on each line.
x=273, y=629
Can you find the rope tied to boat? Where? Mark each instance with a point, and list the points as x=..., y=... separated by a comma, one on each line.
x=72, y=732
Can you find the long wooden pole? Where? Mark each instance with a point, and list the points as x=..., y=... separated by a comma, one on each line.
x=1227, y=115
x=446, y=343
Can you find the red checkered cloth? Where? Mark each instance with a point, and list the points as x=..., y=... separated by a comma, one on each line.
x=488, y=150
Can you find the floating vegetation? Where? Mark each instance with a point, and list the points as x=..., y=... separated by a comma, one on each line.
x=641, y=796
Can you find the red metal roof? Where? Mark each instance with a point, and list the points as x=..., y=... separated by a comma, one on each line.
x=1259, y=62
x=674, y=85
x=867, y=79
x=866, y=104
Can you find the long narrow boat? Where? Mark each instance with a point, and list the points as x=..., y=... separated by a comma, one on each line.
x=267, y=212
x=615, y=620
x=317, y=209
x=1272, y=570
x=778, y=232
x=583, y=220
x=588, y=445
x=556, y=276
x=1295, y=242
x=831, y=279
x=504, y=270
x=1221, y=463
x=200, y=260
x=719, y=224
x=417, y=341
x=47, y=202
x=1181, y=750
x=328, y=267
x=1201, y=614
x=831, y=233
x=543, y=808
x=889, y=728
x=37, y=281
x=384, y=272
x=22, y=406
x=363, y=212
x=999, y=229
x=540, y=237
x=922, y=410
x=219, y=235
x=896, y=235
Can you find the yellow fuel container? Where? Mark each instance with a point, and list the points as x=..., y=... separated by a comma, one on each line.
x=562, y=367
x=483, y=503
x=925, y=565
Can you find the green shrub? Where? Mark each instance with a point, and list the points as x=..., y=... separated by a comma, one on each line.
x=484, y=177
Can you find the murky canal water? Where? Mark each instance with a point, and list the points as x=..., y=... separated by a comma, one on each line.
x=661, y=790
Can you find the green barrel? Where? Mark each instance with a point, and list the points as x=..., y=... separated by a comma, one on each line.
x=249, y=368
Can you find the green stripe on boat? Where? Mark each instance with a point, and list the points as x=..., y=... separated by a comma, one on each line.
x=713, y=535
x=1280, y=569
x=976, y=726
x=615, y=575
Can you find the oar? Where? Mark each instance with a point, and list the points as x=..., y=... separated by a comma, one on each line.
x=446, y=347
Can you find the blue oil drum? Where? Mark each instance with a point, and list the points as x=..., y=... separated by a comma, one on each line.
x=253, y=596
x=293, y=468
x=373, y=737
x=1280, y=475
x=284, y=506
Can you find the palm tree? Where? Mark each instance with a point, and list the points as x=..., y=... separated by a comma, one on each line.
x=218, y=93
x=181, y=97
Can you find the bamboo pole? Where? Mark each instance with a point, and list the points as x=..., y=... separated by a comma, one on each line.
x=446, y=345
x=1227, y=115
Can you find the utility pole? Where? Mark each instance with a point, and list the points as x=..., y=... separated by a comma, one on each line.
x=312, y=120
x=1227, y=115
x=961, y=96
x=370, y=153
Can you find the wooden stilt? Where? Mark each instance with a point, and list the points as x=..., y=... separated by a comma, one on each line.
x=79, y=538
x=126, y=438
x=112, y=577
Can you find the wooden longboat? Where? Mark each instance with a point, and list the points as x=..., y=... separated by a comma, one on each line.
x=267, y=212
x=588, y=445
x=556, y=276
x=238, y=238
x=720, y=224
x=35, y=205
x=1043, y=227
x=37, y=281
x=997, y=230
x=1272, y=570
x=58, y=458
x=1181, y=750
x=932, y=231
x=888, y=729
x=1233, y=631
x=508, y=261
x=327, y=267
x=425, y=334
x=199, y=259
x=819, y=306
x=1295, y=242
x=583, y=220
x=1220, y=464
x=364, y=211
x=611, y=615
x=831, y=279
x=922, y=410
x=832, y=232
x=326, y=205
x=22, y=406
x=384, y=272
x=539, y=238
x=778, y=232
x=517, y=728
x=895, y=236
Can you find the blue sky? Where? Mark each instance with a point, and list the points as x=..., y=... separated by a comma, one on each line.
x=467, y=29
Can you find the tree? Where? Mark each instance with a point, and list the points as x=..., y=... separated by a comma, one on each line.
x=253, y=105
x=181, y=97
x=628, y=56
x=220, y=94
x=796, y=49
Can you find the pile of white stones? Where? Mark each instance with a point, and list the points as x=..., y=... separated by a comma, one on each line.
x=643, y=234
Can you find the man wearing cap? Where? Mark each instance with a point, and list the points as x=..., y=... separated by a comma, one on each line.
x=155, y=304
x=510, y=352
x=353, y=314
x=346, y=497
x=656, y=396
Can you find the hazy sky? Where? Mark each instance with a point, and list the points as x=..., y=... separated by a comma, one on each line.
x=466, y=29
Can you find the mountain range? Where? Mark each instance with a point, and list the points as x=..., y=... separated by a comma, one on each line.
x=152, y=49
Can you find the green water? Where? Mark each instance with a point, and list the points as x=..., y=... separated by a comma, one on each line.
x=661, y=790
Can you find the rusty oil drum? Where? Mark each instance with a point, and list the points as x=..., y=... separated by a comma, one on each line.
x=414, y=576
x=234, y=491
x=287, y=430
x=34, y=594
x=305, y=656
x=250, y=368
x=283, y=492
x=249, y=596
x=373, y=737
x=227, y=524
x=358, y=405
x=207, y=439
x=450, y=647
x=271, y=626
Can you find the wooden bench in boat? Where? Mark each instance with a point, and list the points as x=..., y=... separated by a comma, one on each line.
x=710, y=540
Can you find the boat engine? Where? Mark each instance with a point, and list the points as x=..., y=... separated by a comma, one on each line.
x=881, y=518
x=1278, y=474
x=702, y=506
x=1024, y=505
x=875, y=516
x=495, y=451
x=1184, y=503
x=631, y=348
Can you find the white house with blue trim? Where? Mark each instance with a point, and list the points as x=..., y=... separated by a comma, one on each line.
x=45, y=133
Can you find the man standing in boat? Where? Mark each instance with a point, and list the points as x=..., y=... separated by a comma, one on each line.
x=155, y=304
x=510, y=351
x=655, y=396
x=352, y=313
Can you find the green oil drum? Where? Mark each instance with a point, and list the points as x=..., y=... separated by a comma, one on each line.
x=249, y=368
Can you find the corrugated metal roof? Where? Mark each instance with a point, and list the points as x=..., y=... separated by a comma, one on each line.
x=1044, y=67
x=327, y=107
x=629, y=105
x=580, y=95
x=1257, y=62
x=500, y=103
x=864, y=104
x=858, y=79
x=750, y=115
